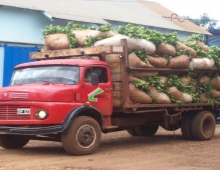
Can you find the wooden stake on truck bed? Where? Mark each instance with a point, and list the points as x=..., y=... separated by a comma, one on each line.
x=66, y=53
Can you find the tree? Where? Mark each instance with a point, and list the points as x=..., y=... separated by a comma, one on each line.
x=204, y=20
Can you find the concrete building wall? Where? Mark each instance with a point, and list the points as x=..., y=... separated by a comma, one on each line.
x=24, y=25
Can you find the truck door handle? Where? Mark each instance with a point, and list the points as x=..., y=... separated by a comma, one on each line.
x=109, y=89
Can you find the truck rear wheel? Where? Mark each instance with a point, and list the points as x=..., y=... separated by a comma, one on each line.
x=149, y=130
x=132, y=132
x=13, y=141
x=83, y=137
x=203, y=125
x=172, y=127
x=144, y=130
x=186, y=126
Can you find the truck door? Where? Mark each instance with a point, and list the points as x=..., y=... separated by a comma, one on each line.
x=100, y=96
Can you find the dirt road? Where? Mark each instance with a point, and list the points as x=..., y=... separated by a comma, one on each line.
x=120, y=151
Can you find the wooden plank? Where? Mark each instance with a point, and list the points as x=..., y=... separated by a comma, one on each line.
x=169, y=69
x=167, y=105
x=75, y=52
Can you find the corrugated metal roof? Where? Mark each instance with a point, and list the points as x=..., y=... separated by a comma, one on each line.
x=214, y=31
x=178, y=20
x=97, y=11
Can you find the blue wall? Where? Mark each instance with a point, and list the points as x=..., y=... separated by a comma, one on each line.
x=14, y=55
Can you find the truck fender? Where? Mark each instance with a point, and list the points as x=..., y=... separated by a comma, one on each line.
x=82, y=111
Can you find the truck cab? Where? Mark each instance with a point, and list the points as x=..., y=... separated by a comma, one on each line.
x=45, y=95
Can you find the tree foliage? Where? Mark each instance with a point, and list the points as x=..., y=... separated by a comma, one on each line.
x=204, y=20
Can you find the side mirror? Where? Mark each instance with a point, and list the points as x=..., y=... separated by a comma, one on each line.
x=94, y=79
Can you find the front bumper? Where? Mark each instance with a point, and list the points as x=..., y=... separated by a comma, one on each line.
x=31, y=130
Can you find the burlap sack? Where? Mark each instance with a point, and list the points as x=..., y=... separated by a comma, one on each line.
x=138, y=96
x=83, y=35
x=163, y=80
x=166, y=49
x=181, y=46
x=215, y=95
x=202, y=98
x=117, y=103
x=186, y=80
x=215, y=82
x=200, y=44
x=117, y=94
x=158, y=62
x=204, y=79
x=135, y=61
x=116, y=67
x=57, y=41
x=202, y=63
x=132, y=43
x=159, y=98
x=178, y=95
x=179, y=62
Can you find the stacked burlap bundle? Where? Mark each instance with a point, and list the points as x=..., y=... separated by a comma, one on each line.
x=179, y=62
x=166, y=49
x=157, y=62
x=215, y=82
x=57, y=41
x=132, y=43
x=186, y=80
x=83, y=35
x=202, y=64
x=181, y=46
x=200, y=44
x=138, y=96
x=158, y=97
x=178, y=95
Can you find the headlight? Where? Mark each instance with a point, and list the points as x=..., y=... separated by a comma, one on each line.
x=41, y=114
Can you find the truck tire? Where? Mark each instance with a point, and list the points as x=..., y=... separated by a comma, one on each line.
x=144, y=130
x=83, y=137
x=132, y=132
x=203, y=126
x=13, y=141
x=186, y=126
x=148, y=130
x=172, y=127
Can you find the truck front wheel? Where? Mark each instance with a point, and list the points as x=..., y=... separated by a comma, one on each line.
x=83, y=137
x=203, y=125
x=13, y=141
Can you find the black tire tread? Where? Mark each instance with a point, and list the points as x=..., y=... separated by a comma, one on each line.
x=13, y=141
x=196, y=125
x=186, y=126
x=69, y=142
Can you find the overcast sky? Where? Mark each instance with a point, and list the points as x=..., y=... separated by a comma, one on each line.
x=193, y=8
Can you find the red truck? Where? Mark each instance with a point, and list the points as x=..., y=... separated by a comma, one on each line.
x=61, y=98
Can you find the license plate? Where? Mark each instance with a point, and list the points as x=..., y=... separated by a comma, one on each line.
x=23, y=111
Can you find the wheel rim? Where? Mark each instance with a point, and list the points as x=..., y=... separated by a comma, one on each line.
x=207, y=126
x=86, y=136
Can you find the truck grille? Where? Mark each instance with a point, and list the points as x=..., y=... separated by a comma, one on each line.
x=10, y=113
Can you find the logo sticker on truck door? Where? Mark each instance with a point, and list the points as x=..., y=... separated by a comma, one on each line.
x=95, y=94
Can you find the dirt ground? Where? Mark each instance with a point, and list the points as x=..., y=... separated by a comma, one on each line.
x=120, y=151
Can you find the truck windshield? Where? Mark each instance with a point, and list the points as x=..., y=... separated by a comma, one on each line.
x=48, y=74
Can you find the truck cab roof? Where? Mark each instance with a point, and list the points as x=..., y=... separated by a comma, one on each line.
x=78, y=62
